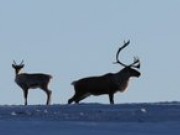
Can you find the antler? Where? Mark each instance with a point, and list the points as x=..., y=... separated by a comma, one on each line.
x=136, y=63
x=118, y=52
x=22, y=62
x=14, y=62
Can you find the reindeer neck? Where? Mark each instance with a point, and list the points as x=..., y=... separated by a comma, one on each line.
x=17, y=72
x=123, y=76
x=121, y=79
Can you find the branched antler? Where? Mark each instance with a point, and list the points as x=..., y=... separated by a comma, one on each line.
x=118, y=52
x=135, y=64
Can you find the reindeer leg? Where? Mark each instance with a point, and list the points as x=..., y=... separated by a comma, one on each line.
x=49, y=97
x=77, y=97
x=72, y=99
x=111, y=98
x=49, y=93
x=25, y=96
x=81, y=97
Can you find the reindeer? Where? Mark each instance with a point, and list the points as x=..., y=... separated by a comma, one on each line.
x=109, y=83
x=31, y=81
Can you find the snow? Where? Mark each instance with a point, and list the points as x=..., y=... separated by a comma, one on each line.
x=125, y=119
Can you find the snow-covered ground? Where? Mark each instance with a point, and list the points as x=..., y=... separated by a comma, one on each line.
x=91, y=119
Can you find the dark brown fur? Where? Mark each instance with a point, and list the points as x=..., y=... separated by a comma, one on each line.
x=31, y=81
x=107, y=84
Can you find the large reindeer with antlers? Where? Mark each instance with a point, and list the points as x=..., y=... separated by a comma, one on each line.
x=106, y=84
x=31, y=81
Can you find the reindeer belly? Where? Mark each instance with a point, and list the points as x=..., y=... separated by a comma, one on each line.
x=93, y=86
x=99, y=92
x=30, y=84
x=33, y=85
x=94, y=90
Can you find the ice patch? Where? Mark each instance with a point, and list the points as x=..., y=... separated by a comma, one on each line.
x=13, y=113
x=143, y=110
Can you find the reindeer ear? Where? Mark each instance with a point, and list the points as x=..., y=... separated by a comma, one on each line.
x=22, y=65
x=13, y=65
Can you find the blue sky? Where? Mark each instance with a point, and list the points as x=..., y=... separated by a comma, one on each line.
x=75, y=39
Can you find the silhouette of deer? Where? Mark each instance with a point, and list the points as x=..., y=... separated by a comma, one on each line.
x=31, y=81
x=109, y=83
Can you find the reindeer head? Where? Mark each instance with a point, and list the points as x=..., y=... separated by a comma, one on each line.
x=17, y=67
x=129, y=69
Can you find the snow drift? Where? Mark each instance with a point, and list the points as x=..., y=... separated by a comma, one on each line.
x=146, y=118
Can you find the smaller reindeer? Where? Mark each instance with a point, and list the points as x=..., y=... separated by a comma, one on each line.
x=31, y=81
x=109, y=83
